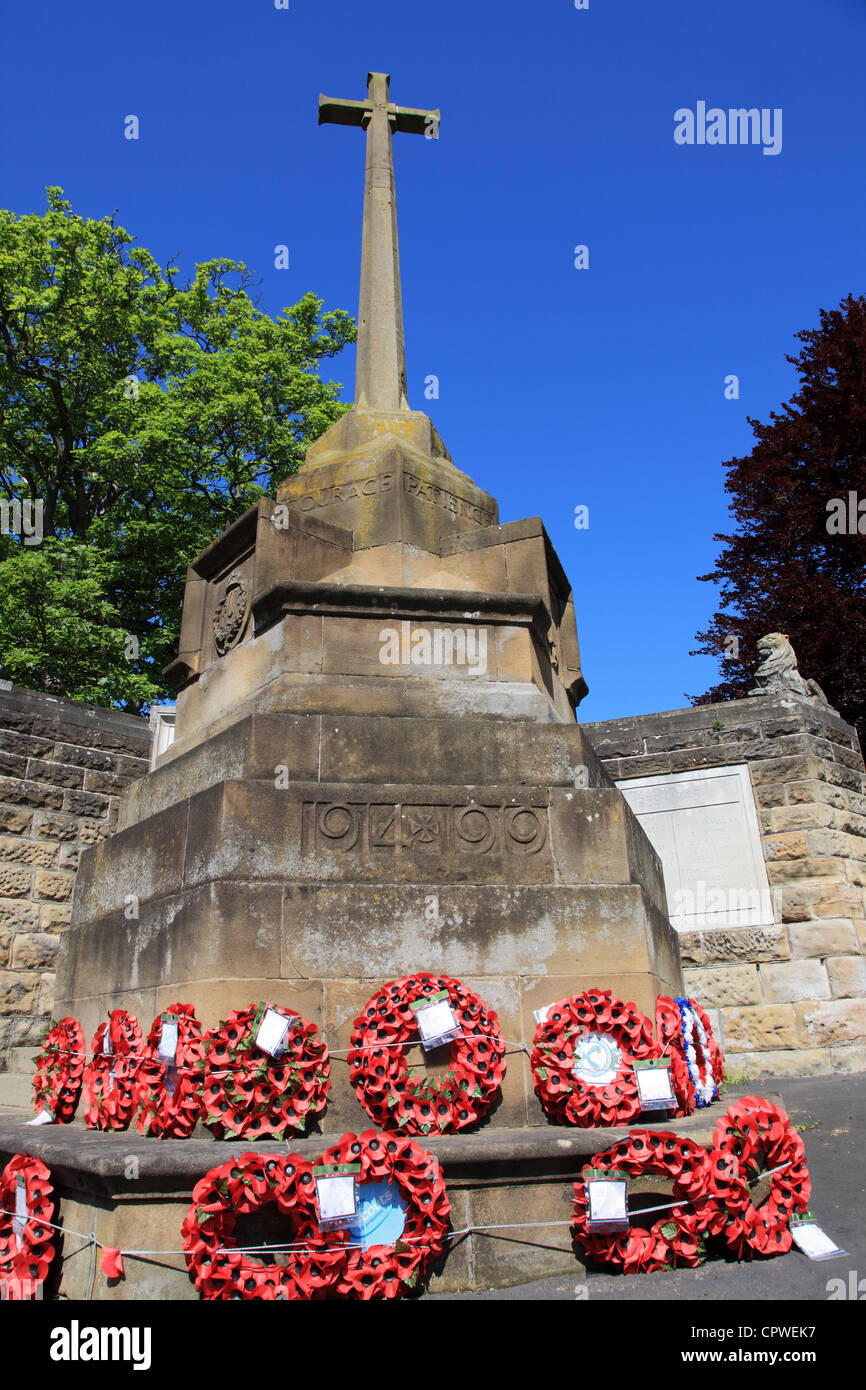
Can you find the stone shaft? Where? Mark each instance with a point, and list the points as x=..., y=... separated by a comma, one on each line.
x=380, y=380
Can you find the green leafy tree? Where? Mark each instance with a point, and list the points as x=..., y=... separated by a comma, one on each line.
x=146, y=415
x=793, y=566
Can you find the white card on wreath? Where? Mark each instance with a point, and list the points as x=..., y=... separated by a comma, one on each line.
x=809, y=1237
x=272, y=1031
x=44, y=1117
x=107, y=1046
x=607, y=1201
x=22, y=1215
x=540, y=1015
x=654, y=1087
x=336, y=1196
x=167, y=1047
x=436, y=1023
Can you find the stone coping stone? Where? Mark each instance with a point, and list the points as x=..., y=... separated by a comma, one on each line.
x=96, y=1160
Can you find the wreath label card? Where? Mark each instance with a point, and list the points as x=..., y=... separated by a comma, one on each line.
x=337, y=1194
x=541, y=1014
x=22, y=1214
x=44, y=1117
x=654, y=1084
x=436, y=1022
x=808, y=1236
x=607, y=1192
x=166, y=1050
x=381, y=1215
x=272, y=1033
x=107, y=1044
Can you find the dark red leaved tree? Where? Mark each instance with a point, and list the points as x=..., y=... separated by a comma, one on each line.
x=798, y=561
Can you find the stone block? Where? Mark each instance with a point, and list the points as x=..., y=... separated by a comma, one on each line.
x=27, y=745
x=36, y=951
x=18, y=915
x=14, y=882
x=85, y=803
x=145, y=861
x=5, y=944
x=787, y=846
x=795, y=904
x=16, y=821
x=763, y=1028
x=30, y=793
x=48, y=826
x=92, y=831
x=848, y=1059
x=828, y=842
x=793, y=980
x=766, y=794
x=725, y=986
x=224, y=932
x=800, y=1061
x=56, y=773
x=802, y=817
x=55, y=917
x=57, y=887
x=18, y=851
x=823, y=938
x=791, y=870
x=110, y=783
x=837, y=900
x=826, y=1023
x=69, y=857
x=847, y=976
x=18, y=991
x=12, y=765
x=692, y=947
x=746, y=944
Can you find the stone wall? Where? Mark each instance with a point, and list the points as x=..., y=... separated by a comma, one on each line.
x=63, y=765
x=786, y=999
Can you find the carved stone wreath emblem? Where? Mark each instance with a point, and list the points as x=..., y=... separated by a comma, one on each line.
x=230, y=616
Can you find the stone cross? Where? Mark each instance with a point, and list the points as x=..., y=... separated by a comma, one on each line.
x=380, y=378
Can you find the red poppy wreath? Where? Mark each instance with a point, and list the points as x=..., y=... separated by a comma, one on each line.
x=583, y=1059
x=169, y=1077
x=379, y=1071
x=59, y=1069
x=402, y=1196
x=677, y=1237
x=110, y=1075
x=26, y=1241
x=751, y=1139
x=245, y=1185
x=253, y=1093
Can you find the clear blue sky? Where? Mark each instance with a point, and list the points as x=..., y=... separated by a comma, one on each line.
x=558, y=386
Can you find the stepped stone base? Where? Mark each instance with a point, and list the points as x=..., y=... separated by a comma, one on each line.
x=134, y=1192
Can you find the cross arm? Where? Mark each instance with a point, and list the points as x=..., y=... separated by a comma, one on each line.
x=411, y=119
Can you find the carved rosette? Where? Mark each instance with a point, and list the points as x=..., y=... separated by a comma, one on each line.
x=230, y=616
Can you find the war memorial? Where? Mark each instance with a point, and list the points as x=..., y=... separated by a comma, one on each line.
x=377, y=774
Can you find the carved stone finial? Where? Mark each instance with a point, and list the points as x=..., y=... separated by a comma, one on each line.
x=777, y=672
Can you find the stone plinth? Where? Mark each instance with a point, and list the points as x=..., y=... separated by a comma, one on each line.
x=377, y=772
